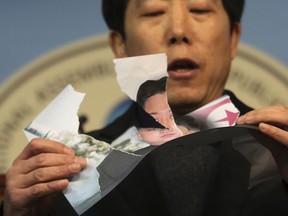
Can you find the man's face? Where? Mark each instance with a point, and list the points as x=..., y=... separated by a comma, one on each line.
x=157, y=106
x=195, y=35
x=157, y=136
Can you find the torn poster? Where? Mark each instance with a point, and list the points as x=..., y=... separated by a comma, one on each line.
x=109, y=164
x=59, y=122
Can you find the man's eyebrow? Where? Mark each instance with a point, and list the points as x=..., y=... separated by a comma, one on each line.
x=153, y=113
x=157, y=113
x=139, y=3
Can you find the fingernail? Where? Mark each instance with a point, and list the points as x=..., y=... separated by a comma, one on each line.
x=80, y=160
x=69, y=150
x=75, y=167
x=263, y=127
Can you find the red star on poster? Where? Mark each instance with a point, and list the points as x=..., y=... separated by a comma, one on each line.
x=230, y=117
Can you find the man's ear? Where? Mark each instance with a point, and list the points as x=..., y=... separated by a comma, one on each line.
x=235, y=38
x=117, y=44
x=139, y=135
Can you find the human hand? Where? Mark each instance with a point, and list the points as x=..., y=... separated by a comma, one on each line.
x=37, y=175
x=272, y=121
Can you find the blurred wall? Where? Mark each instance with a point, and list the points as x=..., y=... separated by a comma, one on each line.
x=31, y=28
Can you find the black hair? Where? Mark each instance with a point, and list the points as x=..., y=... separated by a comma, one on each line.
x=113, y=12
x=234, y=10
x=149, y=88
x=188, y=121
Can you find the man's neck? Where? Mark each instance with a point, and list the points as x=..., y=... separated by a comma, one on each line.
x=183, y=110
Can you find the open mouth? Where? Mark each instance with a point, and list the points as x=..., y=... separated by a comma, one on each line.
x=183, y=69
x=182, y=65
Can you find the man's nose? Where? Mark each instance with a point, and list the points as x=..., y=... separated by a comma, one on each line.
x=167, y=123
x=178, y=26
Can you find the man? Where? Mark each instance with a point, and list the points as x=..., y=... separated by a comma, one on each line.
x=152, y=97
x=200, y=38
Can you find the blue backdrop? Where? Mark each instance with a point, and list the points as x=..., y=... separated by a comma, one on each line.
x=30, y=28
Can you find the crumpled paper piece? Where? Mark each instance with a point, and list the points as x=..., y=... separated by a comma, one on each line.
x=133, y=71
x=59, y=121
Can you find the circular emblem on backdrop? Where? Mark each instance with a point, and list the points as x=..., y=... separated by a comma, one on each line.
x=257, y=79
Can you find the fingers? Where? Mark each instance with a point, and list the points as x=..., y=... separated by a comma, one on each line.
x=40, y=170
x=272, y=121
x=23, y=189
x=42, y=165
x=42, y=153
x=21, y=198
x=49, y=160
x=275, y=132
x=39, y=145
x=49, y=174
x=43, y=189
x=16, y=179
x=276, y=115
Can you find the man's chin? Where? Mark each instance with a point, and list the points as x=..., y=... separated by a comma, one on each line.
x=183, y=105
x=180, y=99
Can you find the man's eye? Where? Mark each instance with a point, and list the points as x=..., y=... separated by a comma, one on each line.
x=199, y=11
x=150, y=129
x=153, y=14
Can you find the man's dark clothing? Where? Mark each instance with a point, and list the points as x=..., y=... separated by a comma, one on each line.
x=183, y=179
